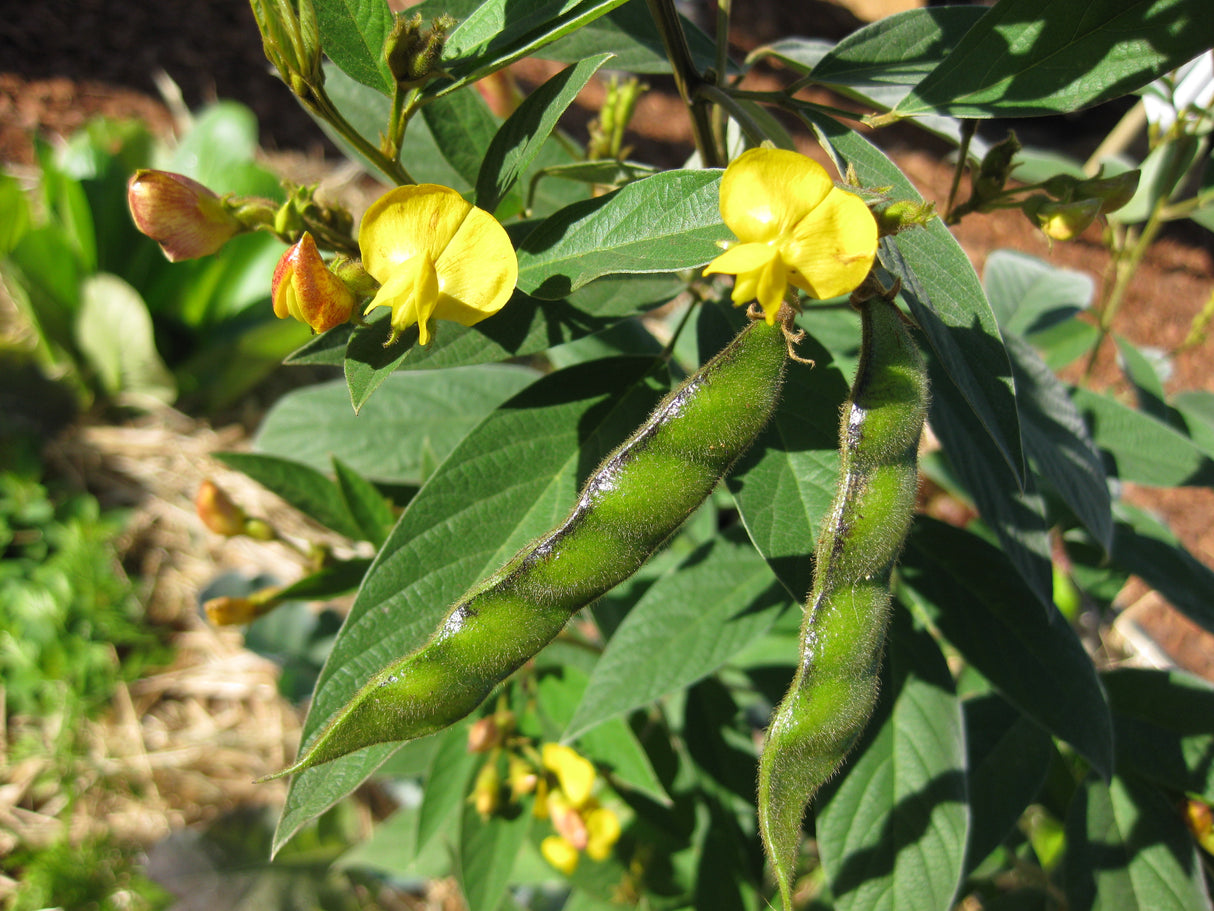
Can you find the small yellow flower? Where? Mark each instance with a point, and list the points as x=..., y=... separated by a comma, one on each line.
x=574, y=772
x=794, y=226
x=602, y=832
x=560, y=854
x=435, y=256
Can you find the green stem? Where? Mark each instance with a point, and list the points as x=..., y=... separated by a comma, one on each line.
x=727, y=101
x=321, y=105
x=1125, y=266
x=968, y=129
x=687, y=80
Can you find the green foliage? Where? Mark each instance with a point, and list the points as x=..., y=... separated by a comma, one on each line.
x=103, y=301
x=72, y=627
x=96, y=874
x=1002, y=763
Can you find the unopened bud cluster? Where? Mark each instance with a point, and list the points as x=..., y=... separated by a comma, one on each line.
x=1062, y=207
x=413, y=52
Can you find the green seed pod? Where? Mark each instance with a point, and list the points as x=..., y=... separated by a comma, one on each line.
x=630, y=505
x=843, y=633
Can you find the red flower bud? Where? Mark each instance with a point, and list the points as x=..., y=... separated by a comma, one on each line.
x=180, y=214
x=218, y=512
x=305, y=288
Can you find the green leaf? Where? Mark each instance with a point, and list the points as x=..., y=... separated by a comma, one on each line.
x=520, y=138
x=981, y=605
x=892, y=832
x=899, y=50
x=463, y=128
x=1127, y=849
x=664, y=223
x=309, y=491
x=1164, y=729
x=448, y=780
x=611, y=746
x=500, y=32
x=1195, y=411
x=114, y=332
x=1138, y=447
x=1029, y=295
x=335, y=579
x=1057, y=441
x=221, y=142
x=14, y=214
x=525, y=462
x=785, y=484
x=392, y=850
x=882, y=93
x=1008, y=756
x=1143, y=374
x=370, y=509
x=1015, y=514
x=352, y=34
x=629, y=32
x=1027, y=58
x=413, y=414
x=685, y=626
x=945, y=298
x=1162, y=171
x=1143, y=545
x=488, y=849
x=525, y=325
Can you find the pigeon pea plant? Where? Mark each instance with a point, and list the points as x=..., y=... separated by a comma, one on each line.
x=586, y=717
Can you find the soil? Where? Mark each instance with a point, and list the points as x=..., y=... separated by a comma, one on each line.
x=64, y=61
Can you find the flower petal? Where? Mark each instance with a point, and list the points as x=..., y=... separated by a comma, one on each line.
x=574, y=772
x=405, y=221
x=560, y=854
x=831, y=250
x=412, y=292
x=603, y=831
x=765, y=192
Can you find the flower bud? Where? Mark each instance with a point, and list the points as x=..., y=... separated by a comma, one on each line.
x=305, y=288
x=996, y=168
x=484, y=735
x=180, y=214
x=567, y=821
x=902, y=214
x=1061, y=220
x=521, y=777
x=217, y=510
x=228, y=610
x=411, y=52
x=486, y=792
x=1113, y=192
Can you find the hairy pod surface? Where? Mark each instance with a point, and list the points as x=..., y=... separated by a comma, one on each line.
x=640, y=495
x=843, y=633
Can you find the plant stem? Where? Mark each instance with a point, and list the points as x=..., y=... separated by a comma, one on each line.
x=687, y=80
x=322, y=106
x=968, y=129
x=1124, y=267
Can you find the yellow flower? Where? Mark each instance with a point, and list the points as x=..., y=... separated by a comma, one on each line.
x=602, y=832
x=435, y=256
x=560, y=854
x=574, y=772
x=794, y=226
